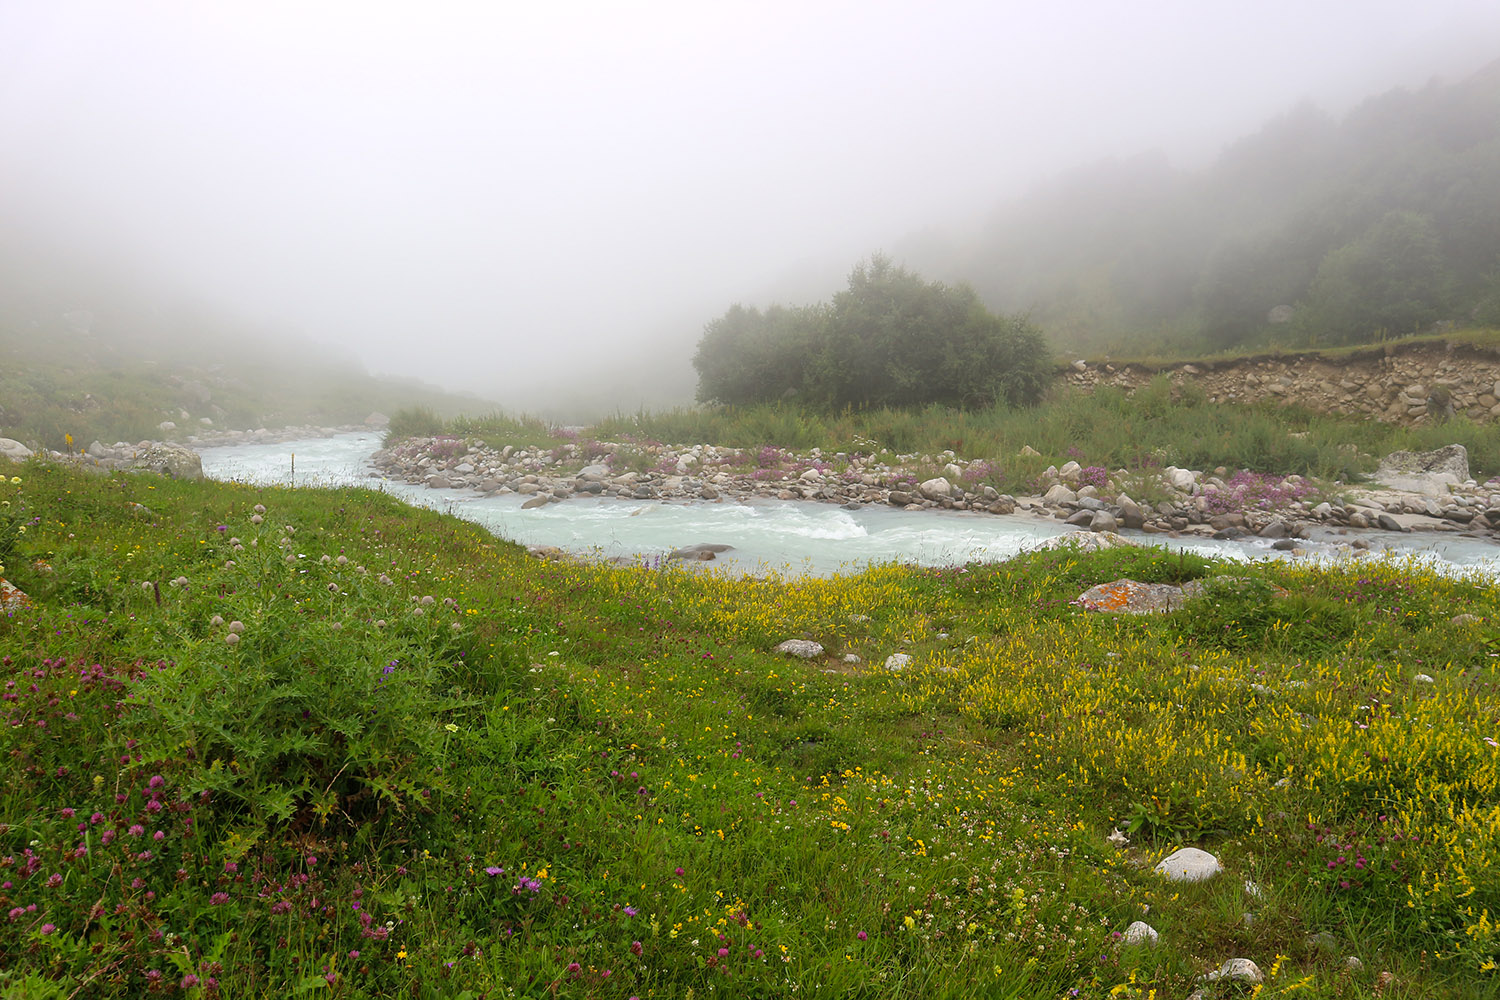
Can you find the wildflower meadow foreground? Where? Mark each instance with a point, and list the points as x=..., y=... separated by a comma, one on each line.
x=264, y=742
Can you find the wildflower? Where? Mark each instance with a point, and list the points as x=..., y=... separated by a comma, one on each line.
x=218, y=899
x=236, y=626
x=636, y=948
x=232, y=638
x=862, y=935
x=48, y=928
x=189, y=981
x=493, y=871
x=631, y=911
x=451, y=727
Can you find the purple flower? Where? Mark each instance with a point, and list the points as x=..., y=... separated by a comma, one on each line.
x=48, y=928
x=492, y=871
x=630, y=911
x=218, y=899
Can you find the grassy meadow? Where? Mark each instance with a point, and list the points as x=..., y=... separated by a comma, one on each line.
x=261, y=742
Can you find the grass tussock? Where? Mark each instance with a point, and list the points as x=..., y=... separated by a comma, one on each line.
x=260, y=741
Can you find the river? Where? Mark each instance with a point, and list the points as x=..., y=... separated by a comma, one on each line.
x=792, y=537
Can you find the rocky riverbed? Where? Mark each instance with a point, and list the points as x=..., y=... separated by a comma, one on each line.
x=1429, y=491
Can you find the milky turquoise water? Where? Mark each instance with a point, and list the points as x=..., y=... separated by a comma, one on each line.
x=792, y=537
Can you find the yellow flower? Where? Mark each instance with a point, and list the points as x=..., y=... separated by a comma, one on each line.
x=401, y=953
x=451, y=728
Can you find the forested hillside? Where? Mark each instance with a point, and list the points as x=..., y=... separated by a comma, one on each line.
x=1312, y=231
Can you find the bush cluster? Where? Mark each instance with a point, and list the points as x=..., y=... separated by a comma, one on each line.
x=888, y=339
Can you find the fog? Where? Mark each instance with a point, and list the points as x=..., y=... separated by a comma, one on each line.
x=544, y=203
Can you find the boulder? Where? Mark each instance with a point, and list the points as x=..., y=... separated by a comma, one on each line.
x=11, y=596
x=172, y=460
x=702, y=550
x=1429, y=472
x=14, y=450
x=1059, y=494
x=1139, y=933
x=936, y=488
x=1103, y=520
x=898, y=661
x=1131, y=597
x=1237, y=968
x=1188, y=864
x=804, y=649
x=1180, y=479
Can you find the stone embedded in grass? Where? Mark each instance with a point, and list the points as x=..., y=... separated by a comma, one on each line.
x=1189, y=865
x=804, y=649
x=1242, y=969
x=1131, y=597
x=1140, y=932
x=898, y=661
x=1423, y=679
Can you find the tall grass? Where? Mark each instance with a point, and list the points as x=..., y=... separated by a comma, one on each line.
x=1159, y=425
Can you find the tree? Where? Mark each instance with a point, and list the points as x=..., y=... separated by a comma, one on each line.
x=1390, y=278
x=888, y=339
x=749, y=356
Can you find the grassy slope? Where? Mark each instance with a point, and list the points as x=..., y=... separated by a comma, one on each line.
x=595, y=781
x=56, y=382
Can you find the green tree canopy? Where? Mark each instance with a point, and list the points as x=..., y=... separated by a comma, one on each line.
x=888, y=339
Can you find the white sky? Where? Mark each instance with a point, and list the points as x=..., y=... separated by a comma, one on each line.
x=511, y=198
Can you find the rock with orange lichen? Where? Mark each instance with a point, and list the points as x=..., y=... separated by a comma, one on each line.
x=1131, y=597
x=11, y=596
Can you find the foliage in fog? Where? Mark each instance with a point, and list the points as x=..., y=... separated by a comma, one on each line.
x=1312, y=231
x=888, y=339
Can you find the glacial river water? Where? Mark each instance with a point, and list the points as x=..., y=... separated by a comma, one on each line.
x=789, y=536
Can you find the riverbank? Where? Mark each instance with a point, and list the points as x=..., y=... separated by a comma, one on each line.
x=1413, y=492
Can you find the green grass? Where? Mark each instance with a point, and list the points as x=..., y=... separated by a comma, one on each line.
x=1157, y=426
x=430, y=765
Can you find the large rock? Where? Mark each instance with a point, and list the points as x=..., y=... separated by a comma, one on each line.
x=1189, y=865
x=703, y=550
x=170, y=460
x=936, y=489
x=1430, y=472
x=1058, y=495
x=1131, y=597
x=804, y=649
x=1140, y=933
x=1242, y=969
x=14, y=450
x=1085, y=541
x=898, y=661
